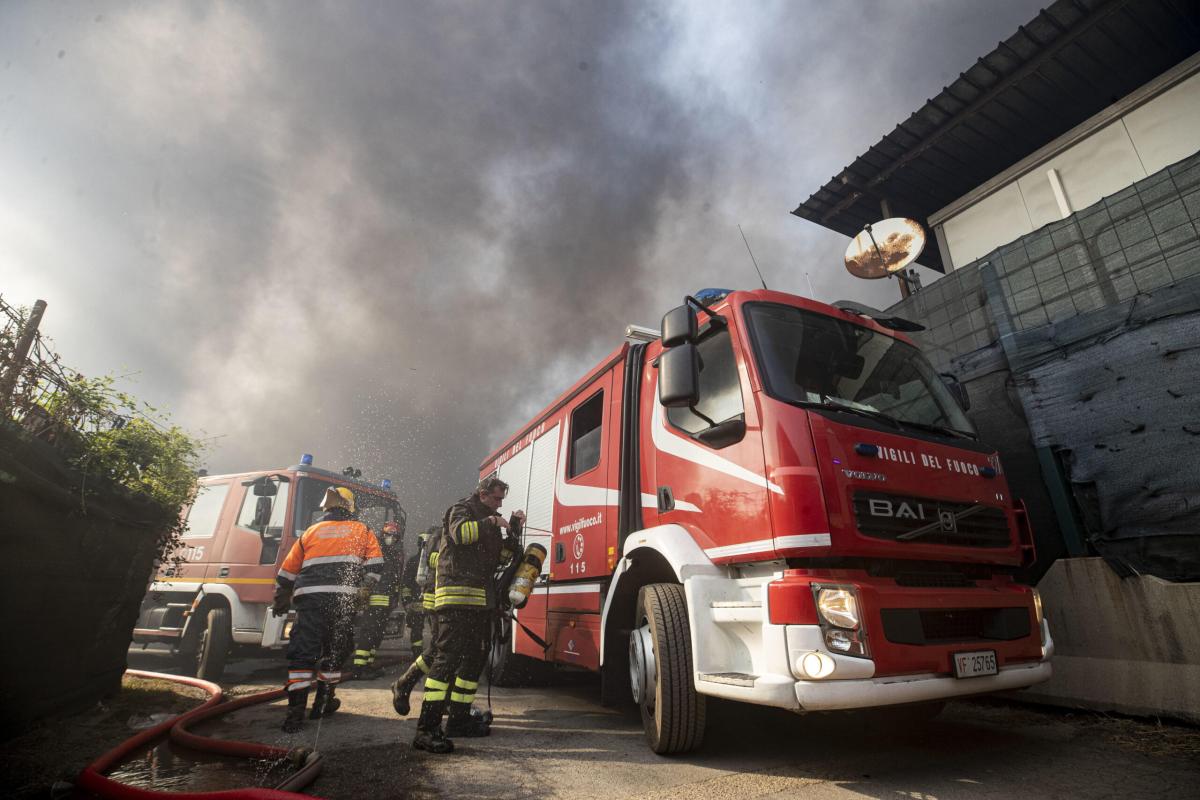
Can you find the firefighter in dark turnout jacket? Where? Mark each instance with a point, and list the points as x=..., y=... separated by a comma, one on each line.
x=464, y=603
x=373, y=619
x=324, y=573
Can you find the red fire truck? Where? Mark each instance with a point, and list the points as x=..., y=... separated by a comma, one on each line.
x=240, y=529
x=776, y=501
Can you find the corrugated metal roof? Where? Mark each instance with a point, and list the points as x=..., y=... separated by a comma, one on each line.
x=1071, y=61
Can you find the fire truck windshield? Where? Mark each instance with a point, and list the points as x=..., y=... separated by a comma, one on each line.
x=372, y=509
x=811, y=359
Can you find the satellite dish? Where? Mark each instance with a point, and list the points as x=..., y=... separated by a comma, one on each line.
x=885, y=247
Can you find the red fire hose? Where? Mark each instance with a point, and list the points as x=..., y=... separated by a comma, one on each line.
x=92, y=778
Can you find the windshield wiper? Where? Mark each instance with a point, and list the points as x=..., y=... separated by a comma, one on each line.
x=835, y=404
x=925, y=426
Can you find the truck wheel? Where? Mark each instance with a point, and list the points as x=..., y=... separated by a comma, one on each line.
x=660, y=670
x=215, y=641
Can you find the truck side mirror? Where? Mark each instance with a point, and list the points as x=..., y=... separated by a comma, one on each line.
x=265, y=487
x=262, y=513
x=679, y=376
x=957, y=389
x=679, y=326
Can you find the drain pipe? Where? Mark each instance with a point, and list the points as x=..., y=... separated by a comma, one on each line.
x=92, y=778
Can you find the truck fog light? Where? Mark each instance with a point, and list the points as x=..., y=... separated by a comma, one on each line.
x=839, y=607
x=815, y=665
x=839, y=640
x=848, y=642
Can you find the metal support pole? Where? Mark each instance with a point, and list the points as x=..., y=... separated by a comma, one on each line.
x=9, y=382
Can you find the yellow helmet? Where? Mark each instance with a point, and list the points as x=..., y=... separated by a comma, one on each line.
x=338, y=497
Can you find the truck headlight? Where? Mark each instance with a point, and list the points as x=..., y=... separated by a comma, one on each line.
x=839, y=607
x=841, y=620
x=1037, y=606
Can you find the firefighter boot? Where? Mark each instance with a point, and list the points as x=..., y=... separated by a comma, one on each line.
x=325, y=703
x=294, y=720
x=403, y=687
x=461, y=723
x=433, y=742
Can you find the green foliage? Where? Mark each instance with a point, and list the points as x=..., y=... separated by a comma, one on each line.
x=109, y=435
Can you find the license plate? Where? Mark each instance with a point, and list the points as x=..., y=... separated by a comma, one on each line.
x=975, y=664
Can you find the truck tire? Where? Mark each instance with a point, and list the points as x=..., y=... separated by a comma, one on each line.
x=215, y=640
x=673, y=712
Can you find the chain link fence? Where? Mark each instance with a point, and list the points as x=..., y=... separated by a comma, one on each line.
x=1134, y=242
x=44, y=397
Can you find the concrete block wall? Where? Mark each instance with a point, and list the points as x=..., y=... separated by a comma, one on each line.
x=1129, y=645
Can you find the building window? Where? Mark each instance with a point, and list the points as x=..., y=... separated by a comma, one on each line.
x=586, y=435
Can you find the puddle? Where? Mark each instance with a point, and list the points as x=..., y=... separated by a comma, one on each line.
x=168, y=768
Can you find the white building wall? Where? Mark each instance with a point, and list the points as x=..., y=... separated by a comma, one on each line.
x=1134, y=138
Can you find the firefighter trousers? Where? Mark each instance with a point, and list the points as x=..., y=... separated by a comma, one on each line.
x=368, y=633
x=458, y=661
x=429, y=643
x=321, y=639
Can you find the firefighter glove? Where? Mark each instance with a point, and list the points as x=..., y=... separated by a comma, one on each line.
x=283, y=602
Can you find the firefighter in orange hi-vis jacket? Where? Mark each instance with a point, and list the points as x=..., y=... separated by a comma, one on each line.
x=324, y=574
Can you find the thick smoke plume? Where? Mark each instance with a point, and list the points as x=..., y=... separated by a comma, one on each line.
x=386, y=233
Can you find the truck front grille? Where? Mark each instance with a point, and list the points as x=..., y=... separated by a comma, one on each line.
x=905, y=519
x=952, y=625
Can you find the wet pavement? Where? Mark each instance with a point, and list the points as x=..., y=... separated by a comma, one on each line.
x=559, y=742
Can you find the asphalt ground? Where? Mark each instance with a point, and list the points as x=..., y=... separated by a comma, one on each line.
x=557, y=741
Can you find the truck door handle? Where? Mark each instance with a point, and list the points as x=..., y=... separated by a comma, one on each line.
x=560, y=553
x=666, y=500
x=224, y=573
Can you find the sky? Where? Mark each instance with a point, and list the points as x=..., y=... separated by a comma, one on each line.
x=388, y=233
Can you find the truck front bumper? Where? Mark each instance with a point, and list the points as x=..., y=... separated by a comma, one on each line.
x=834, y=695
x=739, y=654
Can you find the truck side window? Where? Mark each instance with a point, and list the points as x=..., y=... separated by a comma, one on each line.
x=720, y=388
x=264, y=515
x=206, y=511
x=585, y=435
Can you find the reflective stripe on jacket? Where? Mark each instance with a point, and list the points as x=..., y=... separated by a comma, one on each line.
x=333, y=556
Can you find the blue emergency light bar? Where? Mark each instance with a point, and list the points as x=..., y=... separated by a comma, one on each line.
x=386, y=484
x=306, y=459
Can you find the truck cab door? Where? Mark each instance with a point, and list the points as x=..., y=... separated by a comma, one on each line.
x=256, y=537
x=708, y=463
